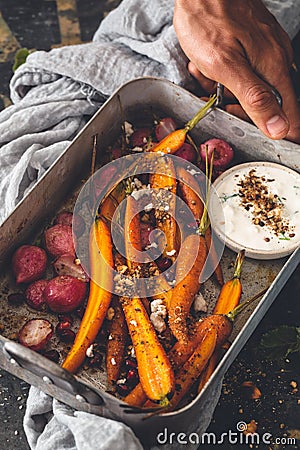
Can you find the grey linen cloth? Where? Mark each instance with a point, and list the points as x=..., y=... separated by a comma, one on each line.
x=54, y=93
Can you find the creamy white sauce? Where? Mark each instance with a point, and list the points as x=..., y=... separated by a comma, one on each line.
x=235, y=223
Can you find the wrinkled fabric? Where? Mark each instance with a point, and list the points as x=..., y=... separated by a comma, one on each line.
x=54, y=94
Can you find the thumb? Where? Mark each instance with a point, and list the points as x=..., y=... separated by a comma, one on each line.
x=259, y=102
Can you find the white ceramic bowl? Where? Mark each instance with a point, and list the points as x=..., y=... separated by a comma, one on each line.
x=234, y=221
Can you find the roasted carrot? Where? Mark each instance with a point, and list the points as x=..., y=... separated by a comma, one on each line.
x=132, y=237
x=154, y=368
x=165, y=186
x=180, y=352
x=155, y=371
x=232, y=305
x=116, y=343
x=101, y=262
x=190, y=192
x=231, y=291
x=174, y=140
x=193, y=367
x=111, y=202
x=185, y=290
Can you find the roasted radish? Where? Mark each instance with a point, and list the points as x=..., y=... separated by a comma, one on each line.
x=34, y=294
x=223, y=153
x=35, y=334
x=29, y=263
x=64, y=293
x=59, y=240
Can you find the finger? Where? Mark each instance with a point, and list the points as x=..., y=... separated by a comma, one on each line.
x=207, y=84
x=283, y=83
x=257, y=99
x=237, y=111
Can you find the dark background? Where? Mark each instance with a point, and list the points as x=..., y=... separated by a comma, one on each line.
x=44, y=24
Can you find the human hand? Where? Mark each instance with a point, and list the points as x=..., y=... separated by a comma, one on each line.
x=241, y=45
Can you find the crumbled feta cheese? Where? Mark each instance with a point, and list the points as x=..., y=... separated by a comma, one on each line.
x=133, y=322
x=128, y=128
x=137, y=149
x=200, y=303
x=158, y=306
x=148, y=207
x=132, y=352
x=90, y=351
x=110, y=337
x=121, y=381
x=77, y=261
x=152, y=245
x=193, y=171
x=137, y=195
x=171, y=253
x=158, y=322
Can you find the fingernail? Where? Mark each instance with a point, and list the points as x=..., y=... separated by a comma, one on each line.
x=276, y=125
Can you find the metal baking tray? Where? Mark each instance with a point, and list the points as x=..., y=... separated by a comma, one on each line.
x=59, y=187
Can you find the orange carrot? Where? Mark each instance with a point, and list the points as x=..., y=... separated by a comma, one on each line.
x=101, y=261
x=111, y=202
x=165, y=186
x=116, y=343
x=185, y=290
x=155, y=371
x=132, y=234
x=190, y=192
x=181, y=352
x=154, y=368
x=193, y=367
x=174, y=140
x=231, y=291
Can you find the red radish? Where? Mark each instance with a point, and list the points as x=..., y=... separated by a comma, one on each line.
x=35, y=294
x=29, y=263
x=64, y=218
x=35, y=334
x=165, y=127
x=140, y=137
x=71, y=220
x=223, y=153
x=187, y=152
x=64, y=293
x=59, y=240
x=68, y=265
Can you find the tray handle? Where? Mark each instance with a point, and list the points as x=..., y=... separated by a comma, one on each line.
x=50, y=373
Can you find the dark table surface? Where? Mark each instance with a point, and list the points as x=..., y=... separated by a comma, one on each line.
x=44, y=24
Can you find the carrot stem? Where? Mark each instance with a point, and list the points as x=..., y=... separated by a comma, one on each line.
x=238, y=264
x=238, y=309
x=201, y=113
